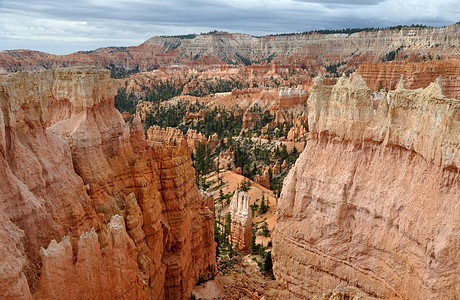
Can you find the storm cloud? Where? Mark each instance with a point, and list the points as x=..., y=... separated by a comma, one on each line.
x=59, y=27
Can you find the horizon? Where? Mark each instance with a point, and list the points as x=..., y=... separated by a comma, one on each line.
x=215, y=31
x=52, y=27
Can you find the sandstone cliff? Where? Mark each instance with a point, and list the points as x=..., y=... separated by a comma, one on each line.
x=417, y=75
x=373, y=202
x=90, y=210
x=169, y=135
x=309, y=51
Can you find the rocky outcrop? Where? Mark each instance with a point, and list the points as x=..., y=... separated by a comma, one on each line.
x=174, y=136
x=241, y=227
x=250, y=118
x=225, y=160
x=290, y=98
x=88, y=208
x=372, y=203
x=264, y=178
x=296, y=134
x=98, y=272
x=417, y=75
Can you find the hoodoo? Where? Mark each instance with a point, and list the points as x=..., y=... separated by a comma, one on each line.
x=89, y=209
x=241, y=213
x=373, y=201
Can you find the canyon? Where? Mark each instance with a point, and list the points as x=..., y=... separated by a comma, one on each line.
x=310, y=51
x=372, y=203
x=228, y=166
x=89, y=208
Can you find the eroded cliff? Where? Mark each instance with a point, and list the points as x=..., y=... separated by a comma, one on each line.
x=310, y=51
x=89, y=209
x=373, y=201
x=416, y=75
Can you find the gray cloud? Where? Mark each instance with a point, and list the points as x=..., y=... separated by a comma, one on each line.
x=344, y=2
x=55, y=26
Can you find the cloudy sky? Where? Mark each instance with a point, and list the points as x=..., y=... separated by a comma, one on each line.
x=61, y=27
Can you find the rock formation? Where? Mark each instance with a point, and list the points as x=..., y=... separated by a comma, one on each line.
x=417, y=75
x=174, y=136
x=264, y=179
x=373, y=202
x=296, y=134
x=225, y=160
x=88, y=208
x=290, y=98
x=290, y=52
x=249, y=119
x=241, y=227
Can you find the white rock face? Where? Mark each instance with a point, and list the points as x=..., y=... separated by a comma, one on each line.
x=241, y=213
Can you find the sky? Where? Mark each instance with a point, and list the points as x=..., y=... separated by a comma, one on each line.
x=62, y=27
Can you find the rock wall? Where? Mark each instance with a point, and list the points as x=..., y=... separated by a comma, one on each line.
x=290, y=52
x=241, y=227
x=373, y=202
x=417, y=75
x=88, y=208
x=290, y=98
x=174, y=136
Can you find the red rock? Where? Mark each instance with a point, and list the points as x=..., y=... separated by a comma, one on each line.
x=264, y=179
x=225, y=160
x=249, y=119
x=276, y=168
x=69, y=163
x=286, y=54
x=296, y=134
x=174, y=136
x=283, y=165
x=126, y=116
x=290, y=98
x=417, y=75
x=372, y=203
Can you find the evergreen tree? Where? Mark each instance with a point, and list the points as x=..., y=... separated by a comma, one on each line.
x=202, y=161
x=252, y=244
x=228, y=223
x=268, y=264
x=276, y=153
x=270, y=177
x=264, y=229
x=244, y=186
x=221, y=196
x=263, y=208
x=283, y=153
x=293, y=155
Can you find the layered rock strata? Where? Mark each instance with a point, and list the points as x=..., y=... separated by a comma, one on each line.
x=373, y=202
x=241, y=227
x=417, y=75
x=89, y=209
x=191, y=138
x=291, y=51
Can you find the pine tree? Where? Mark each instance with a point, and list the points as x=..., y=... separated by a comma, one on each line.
x=268, y=263
x=252, y=245
x=283, y=154
x=293, y=155
x=228, y=223
x=221, y=196
x=270, y=177
x=264, y=229
x=263, y=208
